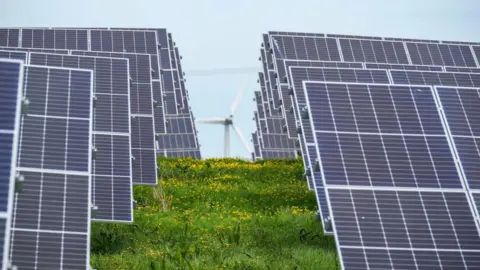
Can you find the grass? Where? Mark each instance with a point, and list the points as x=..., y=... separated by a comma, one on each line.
x=219, y=214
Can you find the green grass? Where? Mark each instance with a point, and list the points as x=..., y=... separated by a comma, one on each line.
x=219, y=214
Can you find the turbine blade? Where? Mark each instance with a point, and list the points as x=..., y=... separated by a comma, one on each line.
x=239, y=95
x=244, y=141
x=216, y=120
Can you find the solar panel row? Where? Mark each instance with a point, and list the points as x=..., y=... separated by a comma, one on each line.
x=94, y=114
x=179, y=120
x=378, y=142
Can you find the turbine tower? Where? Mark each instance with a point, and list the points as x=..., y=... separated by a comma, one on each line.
x=228, y=123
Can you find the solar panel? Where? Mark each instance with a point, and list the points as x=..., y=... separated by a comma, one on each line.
x=273, y=119
x=283, y=80
x=256, y=146
x=379, y=147
x=51, y=218
x=460, y=107
x=462, y=69
x=35, y=50
x=435, y=78
x=8, y=54
x=9, y=37
x=300, y=74
x=112, y=173
x=141, y=109
x=441, y=54
x=178, y=117
x=404, y=67
x=11, y=79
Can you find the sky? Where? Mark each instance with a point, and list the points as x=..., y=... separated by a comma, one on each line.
x=216, y=34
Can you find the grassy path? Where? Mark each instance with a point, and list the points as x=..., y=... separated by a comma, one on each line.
x=219, y=214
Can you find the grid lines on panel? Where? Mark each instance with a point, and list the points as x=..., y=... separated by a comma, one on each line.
x=51, y=218
x=112, y=176
x=180, y=138
x=395, y=140
x=141, y=109
x=397, y=128
x=461, y=106
x=297, y=76
x=11, y=79
x=9, y=54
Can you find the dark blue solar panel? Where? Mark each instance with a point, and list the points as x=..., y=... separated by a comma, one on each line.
x=354, y=50
x=435, y=78
x=50, y=227
x=403, y=67
x=9, y=54
x=441, y=54
x=305, y=48
x=111, y=127
x=141, y=106
x=11, y=77
x=9, y=37
x=35, y=50
x=72, y=39
x=462, y=69
x=461, y=107
x=359, y=125
x=394, y=229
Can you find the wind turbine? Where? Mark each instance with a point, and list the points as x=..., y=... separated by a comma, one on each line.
x=228, y=122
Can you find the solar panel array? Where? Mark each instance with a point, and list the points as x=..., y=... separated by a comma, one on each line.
x=387, y=131
x=98, y=106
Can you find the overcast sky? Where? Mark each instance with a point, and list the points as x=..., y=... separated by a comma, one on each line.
x=215, y=34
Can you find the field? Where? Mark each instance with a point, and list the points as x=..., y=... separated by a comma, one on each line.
x=219, y=214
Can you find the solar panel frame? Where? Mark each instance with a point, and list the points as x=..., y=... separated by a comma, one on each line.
x=347, y=187
x=7, y=215
x=26, y=170
x=118, y=213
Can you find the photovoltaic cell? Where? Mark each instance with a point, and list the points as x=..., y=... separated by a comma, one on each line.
x=51, y=220
x=11, y=79
x=111, y=129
